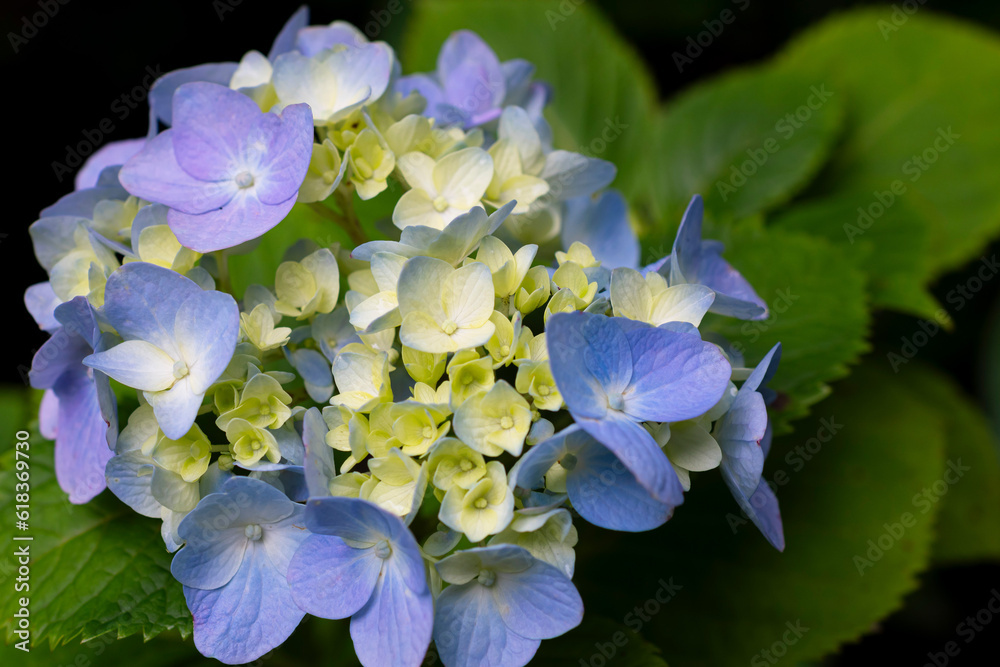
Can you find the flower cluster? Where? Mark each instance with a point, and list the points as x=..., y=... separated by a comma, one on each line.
x=404, y=433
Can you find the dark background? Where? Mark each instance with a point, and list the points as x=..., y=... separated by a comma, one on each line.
x=68, y=75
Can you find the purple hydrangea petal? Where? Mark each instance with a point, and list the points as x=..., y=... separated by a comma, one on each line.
x=470, y=72
x=115, y=153
x=248, y=617
x=211, y=124
x=161, y=94
x=41, y=302
x=241, y=219
x=81, y=452
x=155, y=175
x=312, y=40
x=395, y=627
x=285, y=41
x=48, y=415
x=762, y=508
x=330, y=579
x=285, y=161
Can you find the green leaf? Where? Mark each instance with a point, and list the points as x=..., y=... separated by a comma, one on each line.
x=595, y=639
x=603, y=93
x=738, y=595
x=970, y=510
x=94, y=568
x=893, y=249
x=816, y=298
x=746, y=141
x=907, y=87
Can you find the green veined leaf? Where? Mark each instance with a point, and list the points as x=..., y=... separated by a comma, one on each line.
x=746, y=141
x=921, y=114
x=94, y=569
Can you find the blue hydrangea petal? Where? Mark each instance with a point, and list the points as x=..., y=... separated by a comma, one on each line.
x=602, y=224
x=395, y=627
x=248, y=617
x=132, y=488
x=590, y=359
x=637, y=450
x=207, y=329
x=320, y=467
x=330, y=579
x=141, y=302
x=209, y=563
x=676, y=376
x=469, y=631
x=351, y=519
x=605, y=493
x=315, y=371
x=538, y=603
